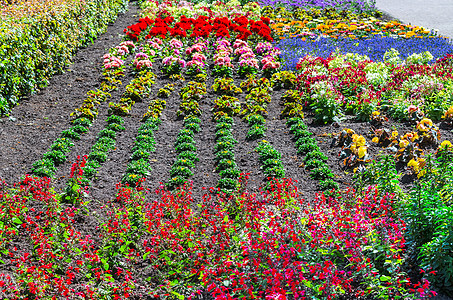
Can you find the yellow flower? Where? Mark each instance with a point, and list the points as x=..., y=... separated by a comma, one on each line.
x=349, y=131
x=358, y=140
x=375, y=139
x=424, y=124
x=404, y=143
x=362, y=151
x=412, y=163
x=375, y=113
x=445, y=145
x=394, y=134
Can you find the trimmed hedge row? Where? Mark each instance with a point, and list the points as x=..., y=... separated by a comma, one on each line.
x=39, y=38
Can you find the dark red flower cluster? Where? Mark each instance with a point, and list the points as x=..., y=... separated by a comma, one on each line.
x=202, y=26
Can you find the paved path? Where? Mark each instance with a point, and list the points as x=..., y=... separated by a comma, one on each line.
x=432, y=14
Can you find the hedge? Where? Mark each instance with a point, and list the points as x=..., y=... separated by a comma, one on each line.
x=39, y=37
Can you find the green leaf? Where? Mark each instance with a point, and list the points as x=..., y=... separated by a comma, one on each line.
x=385, y=278
x=179, y=296
x=105, y=264
x=17, y=221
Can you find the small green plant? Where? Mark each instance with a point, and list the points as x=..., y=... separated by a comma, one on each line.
x=315, y=155
x=115, y=127
x=185, y=147
x=228, y=184
x=90, y=169
x=321, y=173
x=256, y=132
x=382, y=173
x=71, y=134
x=99, y=156
x=58, y=157
x=232, y=173
x=107, y=133
x=328, y=184
x=226, y=164
x=271, y=160
x=44, y=168
x=140, y=154
x=80, y=129
x=188, y=155
x=62, y=144
x=113, y=119
x=224, y=154
x=85, y=122
x=139, y=167
x=180, y=171
x=188, y=163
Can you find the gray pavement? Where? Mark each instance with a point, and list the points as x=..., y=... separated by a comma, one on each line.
x=431, y=14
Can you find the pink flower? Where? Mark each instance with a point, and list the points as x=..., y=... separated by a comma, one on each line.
x=412, y=108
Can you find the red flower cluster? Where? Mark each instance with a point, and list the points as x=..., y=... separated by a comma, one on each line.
x=203, y=26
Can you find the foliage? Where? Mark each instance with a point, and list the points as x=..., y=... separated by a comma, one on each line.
x=39, y=39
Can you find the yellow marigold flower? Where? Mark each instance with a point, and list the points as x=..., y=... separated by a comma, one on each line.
x=394, y=134
x=375, y=139
x=449, y=113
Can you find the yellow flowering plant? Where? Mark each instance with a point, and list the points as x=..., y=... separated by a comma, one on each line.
x=354, y=149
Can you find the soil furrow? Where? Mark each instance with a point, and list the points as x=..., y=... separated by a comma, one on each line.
x=279, y=136
x=204, y=171
x=162, y=159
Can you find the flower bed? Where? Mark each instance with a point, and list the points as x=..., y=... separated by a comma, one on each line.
x=347, y=228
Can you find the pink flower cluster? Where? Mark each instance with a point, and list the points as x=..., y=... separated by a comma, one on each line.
x=173, y=59
x=155, y=43
x=270, y=63
x=124, y=48
x=169, y=60
x=175, y=45
x=142, y=60
x=196, y=53
x=111, y=61
x=263, y=48
x=222, y=58
x=246, y=55
x=196, y=48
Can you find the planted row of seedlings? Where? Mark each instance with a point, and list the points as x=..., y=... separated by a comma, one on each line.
x=293, y=106
x=225, y=107
x=139, y=88
x=189, y=108
x=185, y=147
x=84, y=115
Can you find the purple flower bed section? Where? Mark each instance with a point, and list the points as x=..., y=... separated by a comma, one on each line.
x=353, y=5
